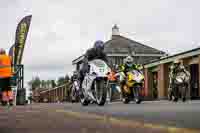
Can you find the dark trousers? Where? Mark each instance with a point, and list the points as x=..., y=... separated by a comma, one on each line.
x=5, y=84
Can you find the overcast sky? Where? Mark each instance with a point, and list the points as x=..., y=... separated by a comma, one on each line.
x=61, y=30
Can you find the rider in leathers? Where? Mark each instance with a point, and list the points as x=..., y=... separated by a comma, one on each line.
x=74, y=76
x=97, y=52
x=175, y=68
x=128, y=66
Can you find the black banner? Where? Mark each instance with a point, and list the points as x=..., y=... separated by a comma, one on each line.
x=20, y=38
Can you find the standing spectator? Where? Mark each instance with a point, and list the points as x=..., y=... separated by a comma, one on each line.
x=5, y=76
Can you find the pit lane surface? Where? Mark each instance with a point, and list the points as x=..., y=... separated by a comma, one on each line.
x=181, y=115
x=154, y=117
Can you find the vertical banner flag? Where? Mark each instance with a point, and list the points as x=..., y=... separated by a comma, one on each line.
x=20, y=38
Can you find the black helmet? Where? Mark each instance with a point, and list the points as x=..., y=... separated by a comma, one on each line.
x=99, y=45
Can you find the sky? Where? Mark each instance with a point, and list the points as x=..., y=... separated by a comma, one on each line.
x=62, y=30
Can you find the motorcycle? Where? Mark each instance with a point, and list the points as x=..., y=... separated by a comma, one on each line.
x=180, y=86
x=75, y=91
x=94, y=86
x=133, y=84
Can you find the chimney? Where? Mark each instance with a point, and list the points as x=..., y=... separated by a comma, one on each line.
x=115, y=31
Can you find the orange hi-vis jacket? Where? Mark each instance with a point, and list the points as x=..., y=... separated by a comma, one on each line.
x=5, y=66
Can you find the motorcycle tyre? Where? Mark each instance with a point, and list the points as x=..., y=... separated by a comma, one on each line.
x=102, y=86
x=183, y=94
x=83, y=100
x=137, y=98
x=126, y=100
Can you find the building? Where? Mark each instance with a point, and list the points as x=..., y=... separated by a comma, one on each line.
x=159, y=70
x=118, y=47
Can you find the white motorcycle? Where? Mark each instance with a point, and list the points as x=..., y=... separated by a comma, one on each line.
x=94, y=86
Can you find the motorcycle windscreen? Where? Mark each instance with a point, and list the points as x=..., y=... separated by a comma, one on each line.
x=99, y=67
x=138, y=76
x=181, y=77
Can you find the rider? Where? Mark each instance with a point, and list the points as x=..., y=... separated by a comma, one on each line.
x=178, y=67
x=127, y=66
x=97, y=52
x=74, y=76
x=175, y=68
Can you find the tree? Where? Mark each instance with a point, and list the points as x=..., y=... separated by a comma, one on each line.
x=53, y=83
x=61, y=81
x=48, y=84
x=34, y=83
x=43, y=84
x=67, y=78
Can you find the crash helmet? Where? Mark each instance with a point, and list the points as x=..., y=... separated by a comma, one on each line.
x=176, y=61
x=128, y=61
x=75, y=73
x=99, y=45
x=171, y=67
x=116, y=67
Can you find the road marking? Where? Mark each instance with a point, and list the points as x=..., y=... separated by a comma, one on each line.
x=129, y=123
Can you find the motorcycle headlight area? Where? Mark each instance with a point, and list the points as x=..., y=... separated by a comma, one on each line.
x=135, y=75
x=179, y=79
x=96, y=70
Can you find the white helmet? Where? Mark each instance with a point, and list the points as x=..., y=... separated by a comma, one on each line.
x=128, y=60
x=176, y=61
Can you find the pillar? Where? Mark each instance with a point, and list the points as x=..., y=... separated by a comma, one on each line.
x=146, y=82
x=199, y=74
x=54, y=95
x=62, y=93
x=163, y=81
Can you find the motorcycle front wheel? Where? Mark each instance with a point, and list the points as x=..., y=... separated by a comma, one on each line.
x=83, y=99
x=183, y=93
x=126, y=100
x=175, y=94
x=100, y=91
x=137, y=97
